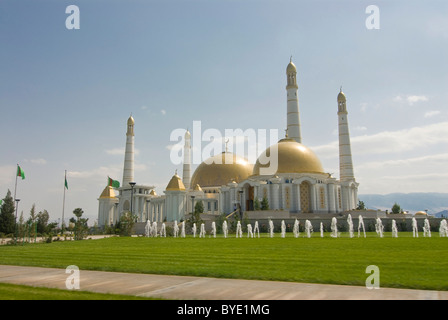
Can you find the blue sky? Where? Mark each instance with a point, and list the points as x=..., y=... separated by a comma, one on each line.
x=65, y=95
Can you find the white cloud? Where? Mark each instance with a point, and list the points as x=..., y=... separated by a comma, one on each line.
x=413, y=99
x=410, y=99
x=39, y=161
x=163, y=111
x=390, y=141
x=430, y=114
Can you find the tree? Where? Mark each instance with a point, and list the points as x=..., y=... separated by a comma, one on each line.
x=264, y=204
x=7, y=217
x=196, y=215
x=42, y=222
x=257, y=205
x=361, y=205
x=396, y=208
x=81, y=227
x=126, y=223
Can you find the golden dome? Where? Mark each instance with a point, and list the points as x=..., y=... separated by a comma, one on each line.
x=341, y=96
x=291, y=68
x=220, y=169
x=153, y=192
x=420, y=213
x=131, y=121
x=108, y=193
x=293, y=157
x=175, y=184
x=197, y=188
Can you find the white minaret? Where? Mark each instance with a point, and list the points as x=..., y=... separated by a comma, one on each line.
x=345, y=153
x=186, y=173
x=292, y=116
x=128, y=170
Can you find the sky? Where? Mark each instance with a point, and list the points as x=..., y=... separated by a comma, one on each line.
x=66, y=94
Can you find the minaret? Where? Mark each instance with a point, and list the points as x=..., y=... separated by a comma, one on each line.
x=345, y=152
x=292, y=116
x=186, y=173
x=128, y=170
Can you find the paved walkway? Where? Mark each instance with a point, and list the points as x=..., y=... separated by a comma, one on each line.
x=184, y=287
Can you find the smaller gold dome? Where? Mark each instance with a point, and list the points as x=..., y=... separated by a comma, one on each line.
x=291, y=68
x=187, y=134
x=420, y=213
x=108, y=193
x=131, y=121
x=341, y=96
x=175, y=184
x=197, y=187
x=153, y=192
x=293, y=157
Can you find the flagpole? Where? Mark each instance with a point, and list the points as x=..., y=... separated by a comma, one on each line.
x=15, y=188
x=63, y=202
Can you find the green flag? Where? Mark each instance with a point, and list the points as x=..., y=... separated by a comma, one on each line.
x=113, y=183
x=66, y=185
x=20, y=172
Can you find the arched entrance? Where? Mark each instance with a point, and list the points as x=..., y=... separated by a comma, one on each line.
x=249, y=193
x=305, y=197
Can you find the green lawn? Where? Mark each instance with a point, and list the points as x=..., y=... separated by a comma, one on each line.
x=19, y=292
x=404, y=262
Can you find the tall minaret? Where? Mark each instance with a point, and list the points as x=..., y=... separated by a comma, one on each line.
x=186, y=174
x=128, y=170
x=292, y=116
x=345, y=152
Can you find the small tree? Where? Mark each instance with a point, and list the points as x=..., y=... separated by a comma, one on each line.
x=396, y=208
x=196, y=215
x=257, y=205
x=126, y=224
x=81, y=227
x=264, y=204
x=7, y=217
x=361, y=205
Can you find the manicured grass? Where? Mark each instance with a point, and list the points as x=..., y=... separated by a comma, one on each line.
x=404, y=262
x=20, y=292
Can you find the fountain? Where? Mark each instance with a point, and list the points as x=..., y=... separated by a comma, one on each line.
x=394, y=229
x=213, y=229
x=250, y=234
x=202, y=232
x=334, y=228
x=239, y=231
x=308, y=228
x=443, y=229
x=224, y=229
x=194, y=230
x=379, y=228
x=414, y=228
x=182, y=230
x=256, y=229
x=426, y=229
x=271, y=228
x=154, y=229
x=321, y=230
x=148, y=228
x=163, y=230
x=350, y=225
x=283, y=234
x=175, y=229
x=361, y=225
x=295, y=229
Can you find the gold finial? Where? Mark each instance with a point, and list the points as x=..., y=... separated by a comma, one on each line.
x=175, y=172
x=286, y=133
x=290, y=59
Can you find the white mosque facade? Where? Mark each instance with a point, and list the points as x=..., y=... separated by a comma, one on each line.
x=226, y=181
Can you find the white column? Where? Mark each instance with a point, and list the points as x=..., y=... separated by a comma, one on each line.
x=186, y=173
x=128, y=170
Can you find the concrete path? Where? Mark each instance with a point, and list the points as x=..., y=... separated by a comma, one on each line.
x=197, y=288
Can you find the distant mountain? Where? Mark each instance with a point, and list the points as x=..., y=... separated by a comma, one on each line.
x=434, y=202
x=441, y=214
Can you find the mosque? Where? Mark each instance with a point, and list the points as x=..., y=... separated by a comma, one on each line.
x=227, y=181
